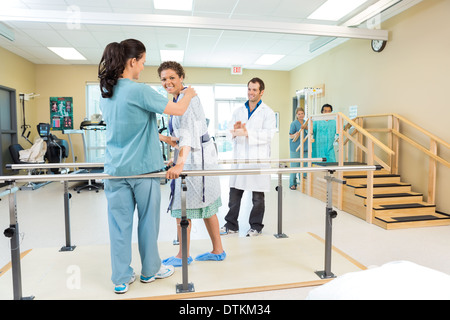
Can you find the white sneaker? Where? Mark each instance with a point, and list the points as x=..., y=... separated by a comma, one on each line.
x=164, y=272
x=224, y=230
x=122, y=288
x=253, y=233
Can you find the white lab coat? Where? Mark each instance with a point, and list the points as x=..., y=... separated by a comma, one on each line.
x=261, y=127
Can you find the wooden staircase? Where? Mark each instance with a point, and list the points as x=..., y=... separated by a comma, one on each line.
x=392, y=203
x=395, y=205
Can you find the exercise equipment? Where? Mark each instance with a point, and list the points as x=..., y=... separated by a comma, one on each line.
x=57, y=151
x=185, y=286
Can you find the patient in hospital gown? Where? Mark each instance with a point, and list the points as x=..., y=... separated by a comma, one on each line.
x=195, y=151
x=324, y=134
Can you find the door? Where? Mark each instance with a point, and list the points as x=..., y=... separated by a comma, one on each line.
x=8, y=126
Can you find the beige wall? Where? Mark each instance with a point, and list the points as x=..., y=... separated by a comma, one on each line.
x=410, y=78
x=19, y=74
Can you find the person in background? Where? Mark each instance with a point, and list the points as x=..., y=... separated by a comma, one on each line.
x=324, y=135
x=195, y=150
x=132, y=148
x=254, y=125
x=294, y=134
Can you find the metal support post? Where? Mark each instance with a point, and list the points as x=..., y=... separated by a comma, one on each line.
x=184, y=224
x=13, y=233
x=279, y=189
x=67, y=196
x=330, y=214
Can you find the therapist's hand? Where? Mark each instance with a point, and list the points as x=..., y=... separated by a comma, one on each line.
x=189, y=92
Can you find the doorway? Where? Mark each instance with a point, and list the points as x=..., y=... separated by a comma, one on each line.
x=8, y=126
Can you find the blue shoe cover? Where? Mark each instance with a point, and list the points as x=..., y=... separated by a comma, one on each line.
x=208, y=256
x=176, y=262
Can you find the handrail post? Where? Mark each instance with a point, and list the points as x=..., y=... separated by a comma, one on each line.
x=184, y=224
x=340, y=127
x=431, y=199
x=67, y=196
x=370, y=179
x=13, y=233
x=330, y=214
x=395, y=145
x=279, y=189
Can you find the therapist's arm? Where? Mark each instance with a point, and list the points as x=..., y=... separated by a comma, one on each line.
x=180, y=107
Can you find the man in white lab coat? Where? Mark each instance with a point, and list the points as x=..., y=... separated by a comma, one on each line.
x=254, y=125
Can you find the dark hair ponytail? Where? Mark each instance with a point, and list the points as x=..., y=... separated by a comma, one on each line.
x=113, y=61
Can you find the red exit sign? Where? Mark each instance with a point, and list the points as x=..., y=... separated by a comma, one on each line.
x=236, y=70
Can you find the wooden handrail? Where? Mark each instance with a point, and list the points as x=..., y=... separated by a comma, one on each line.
x=425, y=132
x=367, y=134
x=431, y=152
x=421, y=148
x=412, y=124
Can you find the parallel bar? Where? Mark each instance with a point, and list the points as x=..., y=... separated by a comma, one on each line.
x=189, y=173
x=30, y=166
x=13, y=230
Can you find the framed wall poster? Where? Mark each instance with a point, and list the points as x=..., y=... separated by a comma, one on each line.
x=61, y=113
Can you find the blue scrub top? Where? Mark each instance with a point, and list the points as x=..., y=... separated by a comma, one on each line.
x=132, y=140
x=295, y=127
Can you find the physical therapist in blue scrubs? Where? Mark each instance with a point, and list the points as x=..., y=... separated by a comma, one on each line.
x=133, y=148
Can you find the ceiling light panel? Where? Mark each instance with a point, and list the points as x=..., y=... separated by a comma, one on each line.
x=172, y=55
x=334, y=10
x=269, y=59
x=183, y=5
x=67, y=53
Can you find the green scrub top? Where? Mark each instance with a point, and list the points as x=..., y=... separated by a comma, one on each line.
x=132, y=140
x=324, y=136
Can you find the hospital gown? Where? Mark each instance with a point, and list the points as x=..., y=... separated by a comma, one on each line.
x=324, y=136
x=203, y=193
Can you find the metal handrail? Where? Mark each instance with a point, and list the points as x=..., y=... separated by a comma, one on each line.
x=13, y=231
x=44, y=166
x=188, y=173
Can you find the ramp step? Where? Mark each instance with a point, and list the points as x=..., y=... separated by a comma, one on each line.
x=403, y=206
x=392, y=195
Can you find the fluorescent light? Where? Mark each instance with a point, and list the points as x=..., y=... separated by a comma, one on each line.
x=269, y=59
x=184, y=5
x=371, y=11
x=6, y=32
x=67, y=53
x=334, y=10
x=172, y=55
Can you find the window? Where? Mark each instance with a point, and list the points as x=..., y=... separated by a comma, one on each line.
x=218, y=101
x=228, y=98
x=95, y=139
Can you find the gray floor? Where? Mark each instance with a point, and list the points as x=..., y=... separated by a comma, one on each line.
x=41, y=220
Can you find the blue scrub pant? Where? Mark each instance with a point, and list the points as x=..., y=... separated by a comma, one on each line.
x=293, y=176
x=123, y=196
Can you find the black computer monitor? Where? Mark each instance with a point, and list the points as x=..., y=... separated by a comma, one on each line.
x=44, y=130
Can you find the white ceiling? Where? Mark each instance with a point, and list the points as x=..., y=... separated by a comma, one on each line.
x=203, y=47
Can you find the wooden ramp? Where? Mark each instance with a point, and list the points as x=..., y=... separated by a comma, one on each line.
x=395, y=205
x=253, y=264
